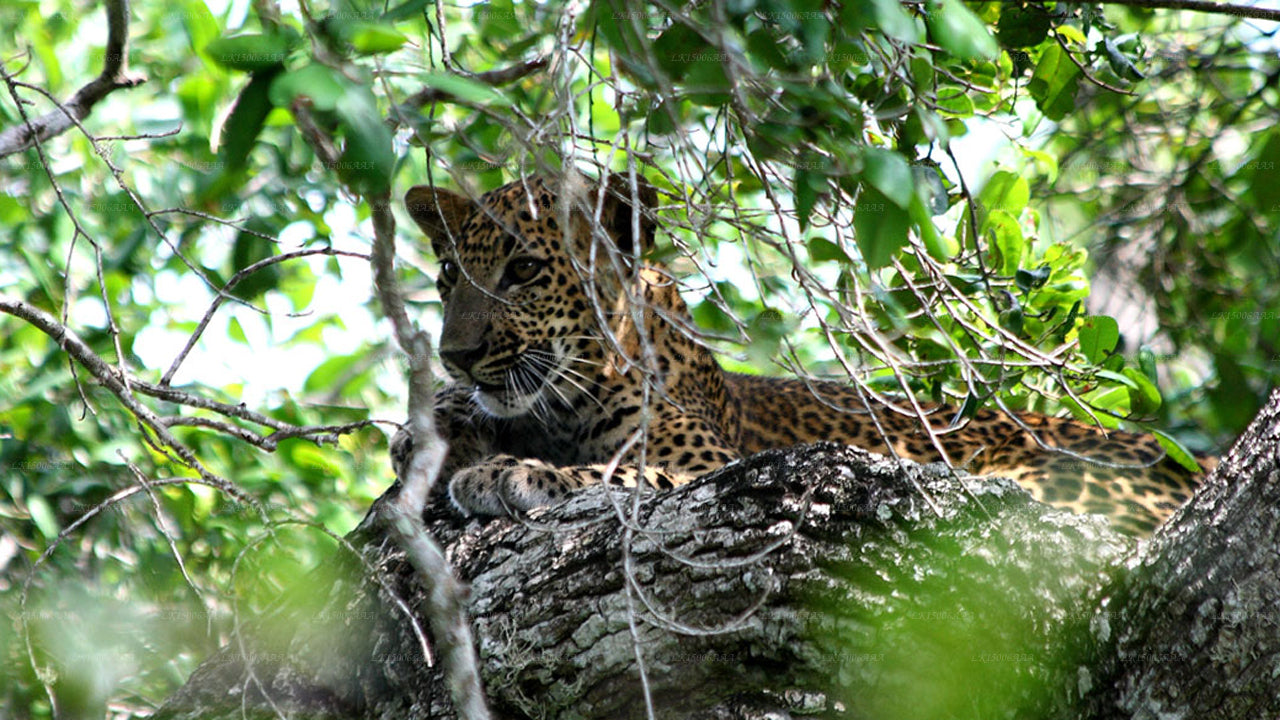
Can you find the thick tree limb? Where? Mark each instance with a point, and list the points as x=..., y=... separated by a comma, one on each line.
x=114, y=76
x=803, y=580
x=1194, y=632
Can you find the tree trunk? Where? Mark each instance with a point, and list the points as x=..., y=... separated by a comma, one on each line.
x=811, y=582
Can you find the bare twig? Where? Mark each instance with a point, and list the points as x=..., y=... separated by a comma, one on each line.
x=224, y=294
x=62, y=118
x=1085, y=71
x=450, y=624
x=1205, y=6
x=112, y=379
x=501, y=76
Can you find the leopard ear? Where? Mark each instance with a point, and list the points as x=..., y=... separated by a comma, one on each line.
x=620, y=210
x=439, y=213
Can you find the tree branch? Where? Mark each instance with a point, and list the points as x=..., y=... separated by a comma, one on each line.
x=793, y=582
x=64, y=117
x=1205, y=6
x=501, y=76
x=448, y=613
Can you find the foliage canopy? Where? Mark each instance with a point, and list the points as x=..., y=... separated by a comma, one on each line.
x=919, y=196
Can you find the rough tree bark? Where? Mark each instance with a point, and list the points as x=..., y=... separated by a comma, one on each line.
x=811, y=582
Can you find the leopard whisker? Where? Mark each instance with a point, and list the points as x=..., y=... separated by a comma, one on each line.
x=545, y=361
x=550, y=364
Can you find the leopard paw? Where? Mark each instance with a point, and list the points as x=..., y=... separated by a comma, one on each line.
x=401, y=448
x=504, y=485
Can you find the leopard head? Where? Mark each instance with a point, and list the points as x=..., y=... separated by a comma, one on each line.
x=524, y=272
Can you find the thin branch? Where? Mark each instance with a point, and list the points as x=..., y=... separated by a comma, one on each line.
x=224, y=294
x=323, y=145
x=112, y=379
x=449, y=622
x=1241, y=11
x=64, y=117
x=501, y=76
x=1085, y=71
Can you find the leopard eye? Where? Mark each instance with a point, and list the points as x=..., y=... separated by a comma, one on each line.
x=449, y=272
x=522, y=270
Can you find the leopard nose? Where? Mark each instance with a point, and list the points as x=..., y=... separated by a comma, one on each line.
x=465, y=358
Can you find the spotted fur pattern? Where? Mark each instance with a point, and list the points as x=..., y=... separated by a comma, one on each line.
x=548, y=331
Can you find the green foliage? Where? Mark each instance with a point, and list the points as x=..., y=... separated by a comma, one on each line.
x=805, y=155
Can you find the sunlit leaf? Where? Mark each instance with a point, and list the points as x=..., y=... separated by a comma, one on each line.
x=1053, y=84
x=889, y=173
x=959, y=31
x=1098, y=337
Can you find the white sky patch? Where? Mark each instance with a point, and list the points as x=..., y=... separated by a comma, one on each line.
x=267, y=362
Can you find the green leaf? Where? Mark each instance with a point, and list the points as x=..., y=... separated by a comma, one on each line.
x=1012, y=320
x=1022, y=25
x=707, y=83
x=809, y=184
x=1177, y=452
x=1054, y=83
x=1144, y=397
x=330, y=372
x=321, y=85
x=766, y=330
x=1005, y=191
x=822, y=250
x=464, y=89
x=1121, y=65
x=888, y=15
x=959, y=31
x=940, y=247
x=762, y=45
x=678, y=48
x=200, y=25
x=249, y=52
x=955, y=101
x=1118, y=377
x=1044, y=163
x=498, y=18
x=1028, y=280
x=614, y=20
x=889, y=173
x=1259, y=175
x=249, y=248
x=814, y=31
x=368, y=159
x=235, y=331
x=42, y=515
x=881, y=228
x=1147, y=361
x=375, y=39
x=244, y=124
x=1098, y=337
x=1007, y=240
x=1114, y=400
x=405, y=10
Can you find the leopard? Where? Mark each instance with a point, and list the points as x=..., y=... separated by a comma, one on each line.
x=574, y=361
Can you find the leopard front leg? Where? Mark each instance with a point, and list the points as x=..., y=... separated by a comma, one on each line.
x=469, y=435
x=506, y=485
